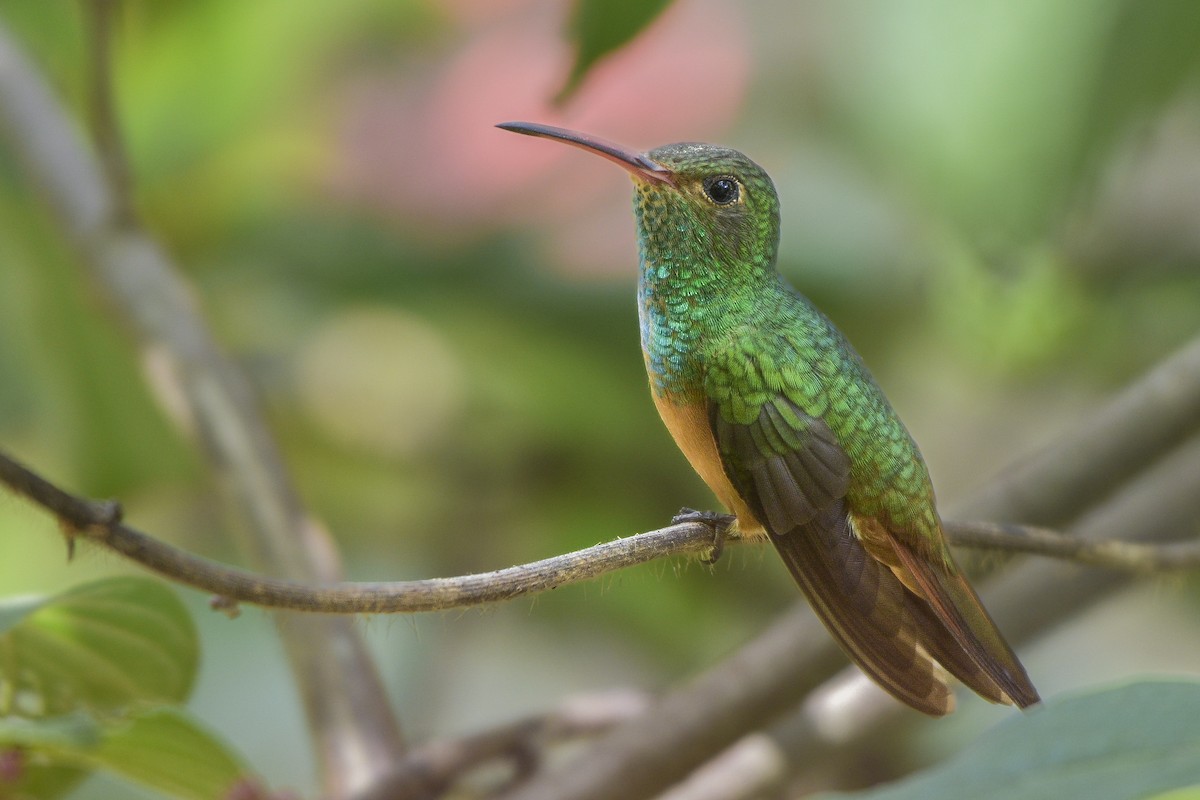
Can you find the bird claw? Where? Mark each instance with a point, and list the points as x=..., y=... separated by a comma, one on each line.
x=715, y=521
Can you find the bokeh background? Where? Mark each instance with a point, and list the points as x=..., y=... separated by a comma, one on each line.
x=998, y=201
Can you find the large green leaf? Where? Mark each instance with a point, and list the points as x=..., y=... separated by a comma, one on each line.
x=162, y=748
x=1125, y=743
x=103, y=645
x=598, y=27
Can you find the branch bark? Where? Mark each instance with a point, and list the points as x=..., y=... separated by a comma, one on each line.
x=357, y=735
x=443, y=763
x=101, y=522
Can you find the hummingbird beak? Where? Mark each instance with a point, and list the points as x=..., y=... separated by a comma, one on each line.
x=636, y=163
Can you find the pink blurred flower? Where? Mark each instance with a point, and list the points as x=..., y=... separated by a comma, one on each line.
x=425, y=149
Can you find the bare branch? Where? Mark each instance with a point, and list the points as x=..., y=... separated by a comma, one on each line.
x=1118, y=555
x=101, y=522
x=752, y=768
x=440, y=764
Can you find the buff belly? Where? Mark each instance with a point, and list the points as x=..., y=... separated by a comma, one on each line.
x=688, y=424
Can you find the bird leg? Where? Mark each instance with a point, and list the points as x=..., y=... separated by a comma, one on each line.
x=718, y=523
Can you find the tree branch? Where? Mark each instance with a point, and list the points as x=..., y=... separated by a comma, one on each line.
x=106, y=130
x=356, y=734
x=752, y=768
x=101, y=522
x=443, y=763
x=1124, y=556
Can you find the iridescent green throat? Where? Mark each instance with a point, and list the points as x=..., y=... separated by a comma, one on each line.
x=704, y=269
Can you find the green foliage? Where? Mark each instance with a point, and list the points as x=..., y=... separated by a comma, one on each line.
x=1124, y=743
x=1148, y=53
x=163, y=748
x=1019, y=315
x=167, y=749
x=90, y=679
x=600, y=27
x=103, y=645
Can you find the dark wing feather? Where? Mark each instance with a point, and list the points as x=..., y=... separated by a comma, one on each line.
x=791, y=461
x=866, y=608
x=794, y=475
x=792, y=472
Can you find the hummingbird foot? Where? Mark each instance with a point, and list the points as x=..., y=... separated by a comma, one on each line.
x=718, y=523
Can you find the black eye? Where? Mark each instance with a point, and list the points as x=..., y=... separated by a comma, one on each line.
x=722, y=190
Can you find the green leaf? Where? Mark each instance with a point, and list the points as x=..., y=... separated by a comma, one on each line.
x=1119, y=744
x=162, y=748
x=598, y=27
x=1187, y=793
x=43, y=782
x=103, y=645
x=168, y=750
x=15, y=609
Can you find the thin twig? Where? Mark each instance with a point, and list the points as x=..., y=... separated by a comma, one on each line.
x=1117, y=555
x=96, y=522
x=100, y=522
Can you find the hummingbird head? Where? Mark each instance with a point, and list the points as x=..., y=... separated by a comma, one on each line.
x=707, y=206
x=718, y=203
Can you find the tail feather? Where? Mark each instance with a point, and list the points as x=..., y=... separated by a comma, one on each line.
x=866, y=608
x=941, y=644
x=893, y=634
x=960, y=613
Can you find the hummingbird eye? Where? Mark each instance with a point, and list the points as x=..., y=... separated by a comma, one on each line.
x=722, y=189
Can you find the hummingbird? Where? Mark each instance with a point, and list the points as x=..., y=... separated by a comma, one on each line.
x=780, y=417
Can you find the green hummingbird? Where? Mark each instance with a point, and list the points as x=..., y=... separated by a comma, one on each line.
x=780, y=417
